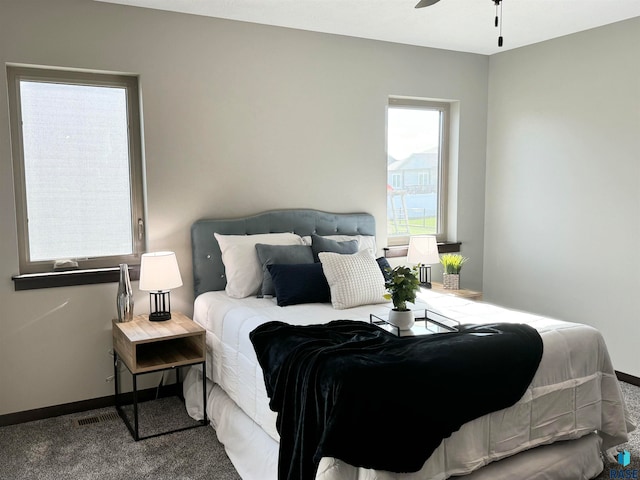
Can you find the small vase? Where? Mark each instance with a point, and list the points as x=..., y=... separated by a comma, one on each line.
x=124, y=299
x=451, y=281
x=403, y=319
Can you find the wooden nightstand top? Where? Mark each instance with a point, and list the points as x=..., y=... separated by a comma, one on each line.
x=146, y=346
x=141, y=330
x=462, y=292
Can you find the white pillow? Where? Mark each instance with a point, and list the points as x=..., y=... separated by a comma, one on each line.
x=353, y=279
x=364, y=241
x=241, y=263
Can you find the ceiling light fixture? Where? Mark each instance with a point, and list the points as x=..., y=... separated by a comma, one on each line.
x=498, y=23
x=497, y=3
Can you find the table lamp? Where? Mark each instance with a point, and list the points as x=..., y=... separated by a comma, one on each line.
x=159, y=273
x=423, y=250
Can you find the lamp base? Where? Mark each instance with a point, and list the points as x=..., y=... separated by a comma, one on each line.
x=159, y=306
x=159, y=316
x=425, y=276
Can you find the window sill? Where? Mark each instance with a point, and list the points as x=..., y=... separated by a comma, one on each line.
x=33, y=281
x=401, y=250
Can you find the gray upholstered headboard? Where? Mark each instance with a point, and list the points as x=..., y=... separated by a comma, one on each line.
x=208, y=269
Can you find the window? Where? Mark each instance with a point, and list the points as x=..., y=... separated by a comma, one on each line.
x=417, y=139
x=396, y=180
x=77, y=168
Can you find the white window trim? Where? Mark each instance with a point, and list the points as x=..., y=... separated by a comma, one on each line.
x=17, y=73
x=443, y=163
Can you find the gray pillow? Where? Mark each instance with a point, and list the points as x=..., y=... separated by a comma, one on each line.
x=321, y=244
x=280, y=254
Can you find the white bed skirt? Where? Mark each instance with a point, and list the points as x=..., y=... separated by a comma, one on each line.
x=255, y=454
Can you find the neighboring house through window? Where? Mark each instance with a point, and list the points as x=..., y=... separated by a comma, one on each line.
x=77, y=167
x=417, y=158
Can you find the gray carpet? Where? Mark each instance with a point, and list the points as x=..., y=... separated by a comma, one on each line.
x=57, y=449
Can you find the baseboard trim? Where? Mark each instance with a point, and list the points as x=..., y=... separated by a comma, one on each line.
x=84, y=405
x=625, y=377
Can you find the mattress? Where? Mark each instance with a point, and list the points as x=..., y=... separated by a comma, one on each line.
x=574, y=392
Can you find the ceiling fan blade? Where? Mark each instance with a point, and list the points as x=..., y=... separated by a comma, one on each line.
x=426, y=3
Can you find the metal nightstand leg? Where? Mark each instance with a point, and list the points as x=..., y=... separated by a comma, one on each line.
x=134, y=429
x=136, y=436
x=205, y=421
x=119, y=409
x=116, y=379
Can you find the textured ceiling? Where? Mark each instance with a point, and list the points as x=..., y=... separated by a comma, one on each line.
x=463, y=25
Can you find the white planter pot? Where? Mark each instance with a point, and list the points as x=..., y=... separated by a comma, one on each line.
x=403, y=319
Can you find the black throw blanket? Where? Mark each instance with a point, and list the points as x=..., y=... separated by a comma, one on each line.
x=353, y=391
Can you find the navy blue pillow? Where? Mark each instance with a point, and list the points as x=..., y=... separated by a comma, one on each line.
x=384, y=264
x=280, y=254
x=299, y=283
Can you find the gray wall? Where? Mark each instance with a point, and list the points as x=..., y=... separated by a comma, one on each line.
x=562, y=224
x=238, y=118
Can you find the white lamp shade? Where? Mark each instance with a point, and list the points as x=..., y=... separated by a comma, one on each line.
x=423, y=249
x=159, y=272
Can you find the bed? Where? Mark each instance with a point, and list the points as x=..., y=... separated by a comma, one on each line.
x=570, y=414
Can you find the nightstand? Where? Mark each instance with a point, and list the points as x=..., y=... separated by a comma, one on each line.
x=146, y=347
x=462, y=292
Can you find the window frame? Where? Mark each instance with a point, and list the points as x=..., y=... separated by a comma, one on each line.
x=18, y=73
x=444, y=108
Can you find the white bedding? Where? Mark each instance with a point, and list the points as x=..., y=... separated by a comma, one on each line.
x=574, y=392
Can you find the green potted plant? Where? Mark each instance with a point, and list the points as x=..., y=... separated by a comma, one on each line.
x=452, y=264
x=402, y=284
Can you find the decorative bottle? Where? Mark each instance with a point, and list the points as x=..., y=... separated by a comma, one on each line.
x=124, y=300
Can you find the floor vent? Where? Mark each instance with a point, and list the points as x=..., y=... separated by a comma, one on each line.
x=104, y=417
